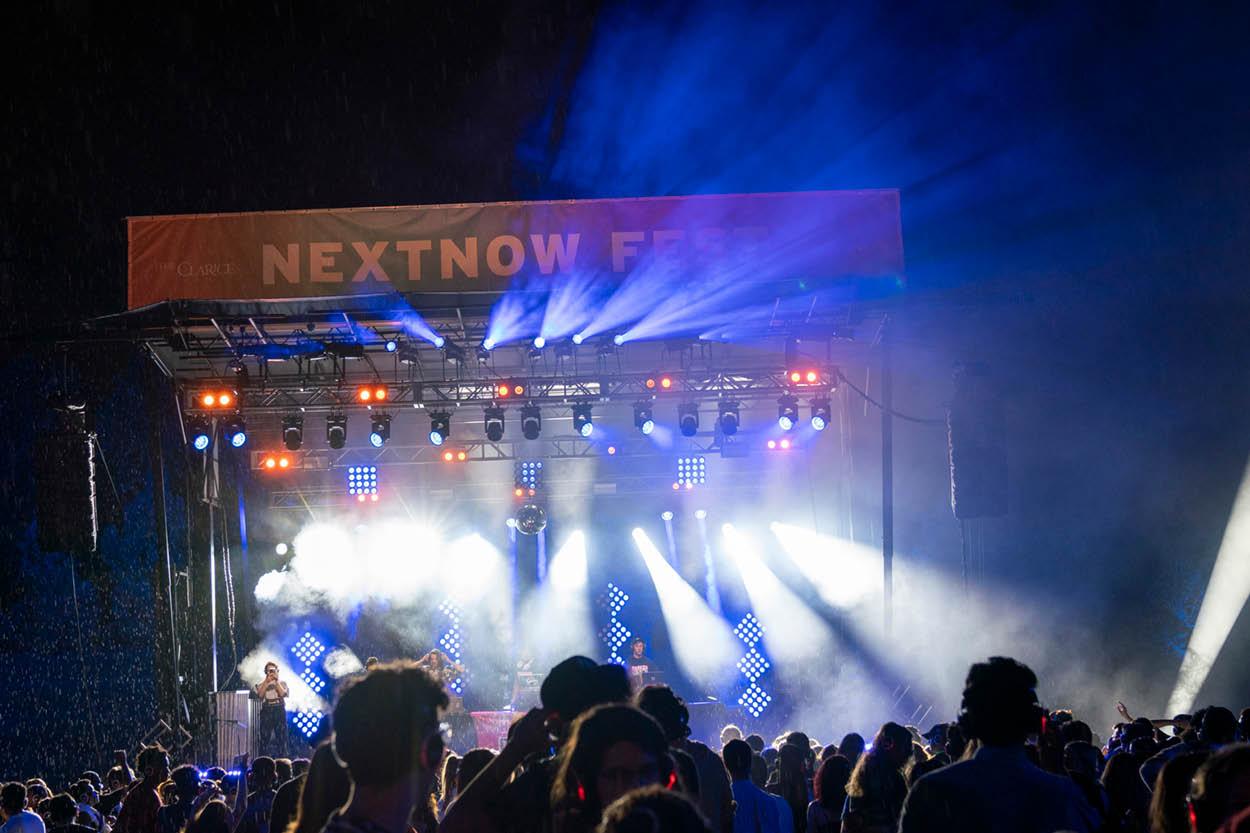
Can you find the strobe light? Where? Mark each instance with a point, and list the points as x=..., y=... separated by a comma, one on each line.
x=688, y=419
x=583, y=423
x=336, y=430
x=644, y=420
x=729, y=417
x=379, y=430
x=820, y=414
x=494, y=424
x=531, y=422
x=787, y=412
x=293, y=432
x=440, y=427
x=235, y=430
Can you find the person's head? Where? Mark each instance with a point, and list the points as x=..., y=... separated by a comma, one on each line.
x=94, y=777
x=262, y=774
x=1169, y=810
x=668, y=709
x=830, y=782
x=213, y=817
x=1220, y=788
x=186, y=782
x=62, y=809
x=851, y=747
x=299, y=766
x=653, y=810
x=325, y=790
x=386, y=727
x=611, y=750
x=283, y=768
x=1074, y=730
x=271, y=670
x=372, y=663
x=999, y=705
x=154, y=763
x=756, y=742
x=730, y=732
x=576, y=685
x=1081, y=760
x=115, y=778
x=801, y=742
x=737, y=756
x=448, y=778
x=36, y=792
x=639, y=647
x=474, y=761
x=1219, y=726
x=84, y=792
x=891, y=749
x=216, y=773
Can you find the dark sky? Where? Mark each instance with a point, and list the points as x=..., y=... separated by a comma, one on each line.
x=1074, y=183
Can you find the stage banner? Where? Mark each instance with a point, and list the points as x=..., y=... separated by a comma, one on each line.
x=487, y=247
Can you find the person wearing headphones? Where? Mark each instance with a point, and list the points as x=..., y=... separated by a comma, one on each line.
x=999, y=790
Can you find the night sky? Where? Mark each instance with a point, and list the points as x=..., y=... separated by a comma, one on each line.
x=1074, y=184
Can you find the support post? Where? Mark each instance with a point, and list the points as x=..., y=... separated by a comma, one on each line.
x=887, y=480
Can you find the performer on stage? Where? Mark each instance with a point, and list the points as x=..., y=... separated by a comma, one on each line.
x=271, y=722
x=446, y=669
x=642, y=670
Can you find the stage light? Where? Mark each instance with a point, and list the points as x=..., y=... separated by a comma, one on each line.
x=362, y=481
x=391, y=345
x=643, y=419
x=200, y=434
x=582, y=421
x=666, y=515
x=666, y=382
x=336, y=430
x=372, y=393
x=700, y=514
x=729, y=417
x=293, y=432
x=688, y=418
x=453, y=352
x=539, y=342
x=578, y=338
x=488, y=344
x=531, y=422
x=439, y=342
x=502, y=391
x=216, y=399
x=784, y=445
x=787, y=412
x=611, y=450
x=275, y=462
x=282, y=549
x=236, y=432
x=618, y=340
x=379, y=430
x=691, y=471
x=528, y=475
x=820, y=414
x=440, y=427
x=494, y=423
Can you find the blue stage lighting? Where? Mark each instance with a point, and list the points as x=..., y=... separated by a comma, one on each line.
x=643, y=418
x=529, y=474
x=391, y=345
x=362, y=480
x=700, y=514
x=307, y=721
x=666, y=515
x=582, y=421
x=787, y=412
x=201, y=441
x=440, y=428
x=618, y=339
x=199, y=433
x=729, y=417
x=691, y=471
x=439, y=342
x=752, y=666
x=539, y=342
x=578, y=338
x=379, y=430
x=488, y=344
x=820, y=414
x=614, y=634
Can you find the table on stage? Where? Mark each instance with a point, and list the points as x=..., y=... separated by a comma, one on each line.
x=492, y=727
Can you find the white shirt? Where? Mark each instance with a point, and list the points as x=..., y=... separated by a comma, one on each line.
x=23, y=822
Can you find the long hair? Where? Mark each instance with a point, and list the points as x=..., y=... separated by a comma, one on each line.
x=327, y=787
x=878, y=766
x=830, y=783
x=791, y=784
x=213, y=817
x=575, y=801
x=447, y=778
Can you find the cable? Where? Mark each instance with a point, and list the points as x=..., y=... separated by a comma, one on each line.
x=82, y=660
x=890, y=411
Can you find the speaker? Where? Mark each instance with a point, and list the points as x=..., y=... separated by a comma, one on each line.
x=65, y=488
x=976, y=446
x=234, y=726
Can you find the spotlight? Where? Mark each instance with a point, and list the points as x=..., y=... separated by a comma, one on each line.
x=539, y=342
x=688, y=418
x=531, y=422
x=729, y=417
x=494, y=422
x=236, y=432
x=216, y=399
x=691, y=471
x=391, y=345
x=282, y=549
x=643, y=419
x=452, y=352
x=408, y=353
x=376, y=392
x=820, y=414
x=618, y=340
x=582, y=422
x=362, y=482
x=700, y=514
x=578, y=338
x=201, y=434
x=527, y=477
x=293, y=432
x=440, y=427
x=787, y=412
x=379, y=430
x=439, y=342
x=488, y=344
x=275, y=462
x=336, y=430
x=666, y=515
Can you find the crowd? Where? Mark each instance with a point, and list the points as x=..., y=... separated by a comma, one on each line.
x=595, y=757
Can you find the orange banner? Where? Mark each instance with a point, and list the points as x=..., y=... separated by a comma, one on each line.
x=283, y=255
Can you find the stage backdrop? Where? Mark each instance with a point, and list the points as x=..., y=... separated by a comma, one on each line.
x=277, y=255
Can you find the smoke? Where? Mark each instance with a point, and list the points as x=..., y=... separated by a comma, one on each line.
x=252, y=671
x=343, y=662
